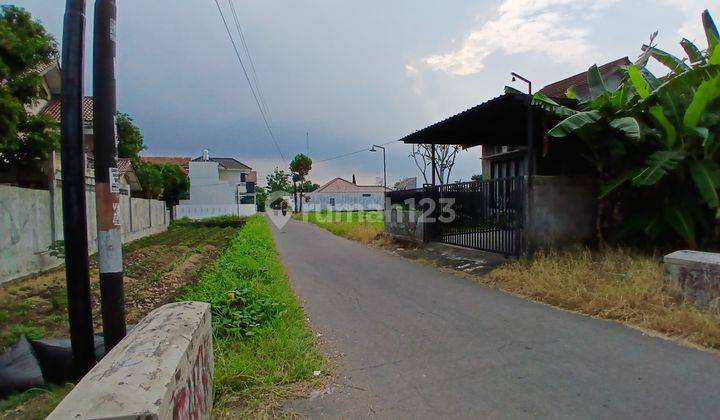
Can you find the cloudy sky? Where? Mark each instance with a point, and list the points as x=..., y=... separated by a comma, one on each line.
x=354, y=73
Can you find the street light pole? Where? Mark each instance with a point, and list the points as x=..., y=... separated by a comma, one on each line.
x=530, y=124
x=384, y=163
x=107, y=179
x=72, y=154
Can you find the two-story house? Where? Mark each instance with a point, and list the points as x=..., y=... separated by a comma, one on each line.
x=218, y=186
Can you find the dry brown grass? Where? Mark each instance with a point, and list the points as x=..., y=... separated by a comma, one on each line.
x=614, y=284
x=363, y=233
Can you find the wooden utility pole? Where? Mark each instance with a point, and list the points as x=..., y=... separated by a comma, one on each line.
x=107, y=178
x=72, y=149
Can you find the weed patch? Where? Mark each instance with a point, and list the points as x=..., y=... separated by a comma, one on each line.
x=263, y=346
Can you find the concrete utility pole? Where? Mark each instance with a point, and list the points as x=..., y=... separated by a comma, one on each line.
x=107, y=179
x=72, y=151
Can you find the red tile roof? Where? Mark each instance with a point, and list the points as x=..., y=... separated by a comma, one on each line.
x=579, y=81
x=124, y=165
x=53, y=109
x=342, y=185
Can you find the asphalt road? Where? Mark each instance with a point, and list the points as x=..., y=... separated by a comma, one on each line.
x=416, y=342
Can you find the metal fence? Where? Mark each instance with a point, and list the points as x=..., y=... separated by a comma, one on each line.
x=484, y=215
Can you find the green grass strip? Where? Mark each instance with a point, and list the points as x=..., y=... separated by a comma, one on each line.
x=264, y=349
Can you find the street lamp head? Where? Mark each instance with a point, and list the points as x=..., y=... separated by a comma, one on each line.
x=514, y=79
x=373, y=149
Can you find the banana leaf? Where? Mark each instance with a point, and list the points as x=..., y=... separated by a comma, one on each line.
x=692, y=51
x=711, y=31
x=675, y=64
x=658, y=165
x=596, y=83
x=573, y=123
x=639, y=82
x=706, y=175
x=542, y=101
x=628, y=126
x=682, y=223
x=707, y=92
x=614, y=183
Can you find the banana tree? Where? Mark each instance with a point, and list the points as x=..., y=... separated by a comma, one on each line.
x=669, y=133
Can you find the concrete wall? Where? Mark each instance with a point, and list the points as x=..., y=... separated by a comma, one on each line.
x=344, y=201
x=31, y=221
x=559, y=211
x=696, y=275
x=214, y=210
x=163, y=369
x=405, y=224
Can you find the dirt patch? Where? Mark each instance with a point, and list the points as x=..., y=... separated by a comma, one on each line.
x=156, y=269
x=144, y=295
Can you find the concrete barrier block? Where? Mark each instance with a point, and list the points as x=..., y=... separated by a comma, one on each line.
x=697, y=274
x=163, y=369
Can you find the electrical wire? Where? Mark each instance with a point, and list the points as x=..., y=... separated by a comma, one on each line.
x=344, y=155
x=252, y=89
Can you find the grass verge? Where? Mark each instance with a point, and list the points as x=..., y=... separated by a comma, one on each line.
x=156, y=269
x=264, y=349
x=361, y=226
x=614, y=284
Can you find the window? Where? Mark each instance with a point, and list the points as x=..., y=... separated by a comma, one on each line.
x=367, y=195
x=332, y=202
x=242, y=176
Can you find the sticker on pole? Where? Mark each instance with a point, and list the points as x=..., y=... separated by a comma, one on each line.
x=114, y=181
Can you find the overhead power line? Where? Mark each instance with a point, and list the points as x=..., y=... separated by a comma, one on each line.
x=344, y=155
x=253, y=72
x=261, y=108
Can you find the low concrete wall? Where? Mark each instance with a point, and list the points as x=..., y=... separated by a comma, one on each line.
x=163, y=369
x=697, y=275
x=405, y=224
x=559, y=211
x=31, y=221
x=201, y=211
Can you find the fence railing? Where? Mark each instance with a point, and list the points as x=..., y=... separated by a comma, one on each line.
x=486, y=215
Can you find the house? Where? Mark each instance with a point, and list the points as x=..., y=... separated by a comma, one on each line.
x=556, y=158
x=129, y=181
x=50, y=170
x=218, y=186
x=536, y=192
x=343, y=195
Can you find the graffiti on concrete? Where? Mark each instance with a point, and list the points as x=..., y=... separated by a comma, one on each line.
x=193, y=399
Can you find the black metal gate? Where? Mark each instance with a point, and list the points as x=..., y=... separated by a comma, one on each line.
x=484, y=215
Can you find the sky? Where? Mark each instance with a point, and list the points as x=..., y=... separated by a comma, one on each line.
x=350, y=73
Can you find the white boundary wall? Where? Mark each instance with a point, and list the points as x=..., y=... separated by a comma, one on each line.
x=31, y=221
x=204, y=211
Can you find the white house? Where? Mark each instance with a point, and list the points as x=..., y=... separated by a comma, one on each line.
x=342, y=195
x=218, y=186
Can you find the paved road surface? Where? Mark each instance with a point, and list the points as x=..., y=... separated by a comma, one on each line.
x=420, y=343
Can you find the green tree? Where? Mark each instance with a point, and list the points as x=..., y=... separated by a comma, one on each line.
x=25, y=46
x=278, y=180
x=176, y=183
x=308, y=186
x=130, y=139
x=300, y=168
x=260, y=197
x=151, y=179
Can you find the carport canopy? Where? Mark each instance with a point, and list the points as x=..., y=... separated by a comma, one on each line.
x=501, y=121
